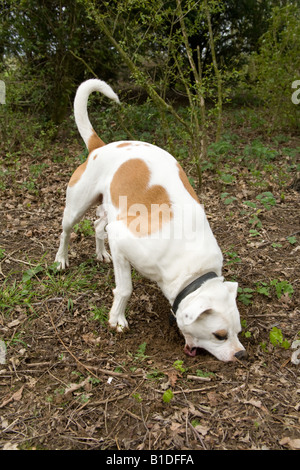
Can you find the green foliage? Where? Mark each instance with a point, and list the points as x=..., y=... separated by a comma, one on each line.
x=100, y=314
x=168, y=396
x=51, y=56
x=40, y=281
x=140, y=355
x=277, y=339
x=282, y=287
x=201, y=373
x=178, y=365
x=266, y=199
x=245, y=295
x=85, y=227
x=277, y=64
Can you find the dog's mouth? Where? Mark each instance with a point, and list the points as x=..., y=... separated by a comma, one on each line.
x=192, y=352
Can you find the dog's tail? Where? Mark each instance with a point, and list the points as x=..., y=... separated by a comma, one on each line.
x=91, y=139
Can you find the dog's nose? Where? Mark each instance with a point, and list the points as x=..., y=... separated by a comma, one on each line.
x=242, y=354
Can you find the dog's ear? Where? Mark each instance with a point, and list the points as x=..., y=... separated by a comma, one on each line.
x=232, y=288
x=189, y=315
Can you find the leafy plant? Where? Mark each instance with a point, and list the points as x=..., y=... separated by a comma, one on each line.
x=247, y=333
x=267, y=199
x=178, y=365
x=137, y=397
x=292, y=240
x=232, y=257
x=245, y=295
x=100, y=314
x=282, y=287
x=32, y=272
x=227, y=198
x=201, y=373
x=140, y=355
x=168, y=396
x=277, y=339
x=263, y=288
x=85, y=227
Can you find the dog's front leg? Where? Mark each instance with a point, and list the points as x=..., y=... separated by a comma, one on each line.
x=121, y=293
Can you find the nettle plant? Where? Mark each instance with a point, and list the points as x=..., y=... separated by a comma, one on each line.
x=273, y=287
x=264, y=201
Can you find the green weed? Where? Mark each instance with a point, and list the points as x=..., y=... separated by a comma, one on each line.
x=85, y=228
x=178, y=365
x=168, y=396
x=246, y=333
x=201, y=373
x=245, y=295
x=100, y=314
x=277, y=339
x=140, y=355
x=227, y=198
x=282, y=287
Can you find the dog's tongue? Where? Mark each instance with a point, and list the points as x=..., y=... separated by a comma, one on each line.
x=190, y=351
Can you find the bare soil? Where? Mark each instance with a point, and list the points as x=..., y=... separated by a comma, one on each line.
x=69, y=382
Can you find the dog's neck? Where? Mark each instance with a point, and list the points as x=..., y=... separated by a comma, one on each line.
x=191, y=287
x=172, y=289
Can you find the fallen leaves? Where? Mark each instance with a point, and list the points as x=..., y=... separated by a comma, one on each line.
x=17, y=396
x=294, y=444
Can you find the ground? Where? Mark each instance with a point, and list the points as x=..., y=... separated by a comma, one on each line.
x=69, y=382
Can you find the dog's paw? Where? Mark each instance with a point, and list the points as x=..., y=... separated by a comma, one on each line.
x=104, y=256
x=62, y=263
x=120, y=326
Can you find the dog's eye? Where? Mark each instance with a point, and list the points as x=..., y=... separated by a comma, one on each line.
x=221, y=335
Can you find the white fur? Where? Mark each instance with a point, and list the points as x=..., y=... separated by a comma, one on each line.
x=181, y=251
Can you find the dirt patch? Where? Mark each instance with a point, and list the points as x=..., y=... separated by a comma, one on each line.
x=71, y=383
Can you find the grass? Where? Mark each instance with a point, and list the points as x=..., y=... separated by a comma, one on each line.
x=41, y=282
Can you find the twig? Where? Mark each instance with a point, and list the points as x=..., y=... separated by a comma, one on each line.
x=199, y=379
x=20, y=261
x=197, y=435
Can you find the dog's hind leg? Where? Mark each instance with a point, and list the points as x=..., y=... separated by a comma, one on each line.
x=69, y=220
x=101, y=235
x=122, y=291
x=73, y=213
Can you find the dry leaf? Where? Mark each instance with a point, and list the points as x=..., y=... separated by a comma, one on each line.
x=203, y=430
x=73, y=387
x=175, y=427
x=15, y=397
x=173, y=377
x=293, y=443
x=10, y=446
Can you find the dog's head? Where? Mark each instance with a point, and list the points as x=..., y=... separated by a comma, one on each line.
x=208, y=318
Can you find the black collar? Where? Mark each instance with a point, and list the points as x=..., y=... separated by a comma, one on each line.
x=191, y=288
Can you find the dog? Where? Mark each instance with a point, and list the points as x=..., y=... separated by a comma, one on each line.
x=155, y=223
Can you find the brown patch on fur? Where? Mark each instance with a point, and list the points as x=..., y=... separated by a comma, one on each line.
x=94, y=142
x=143, y=208
x=125, y=144
x=221, y=333
x=78, y=173
x=187, y=184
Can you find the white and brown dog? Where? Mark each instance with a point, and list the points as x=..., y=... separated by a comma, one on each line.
x=155, y=223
